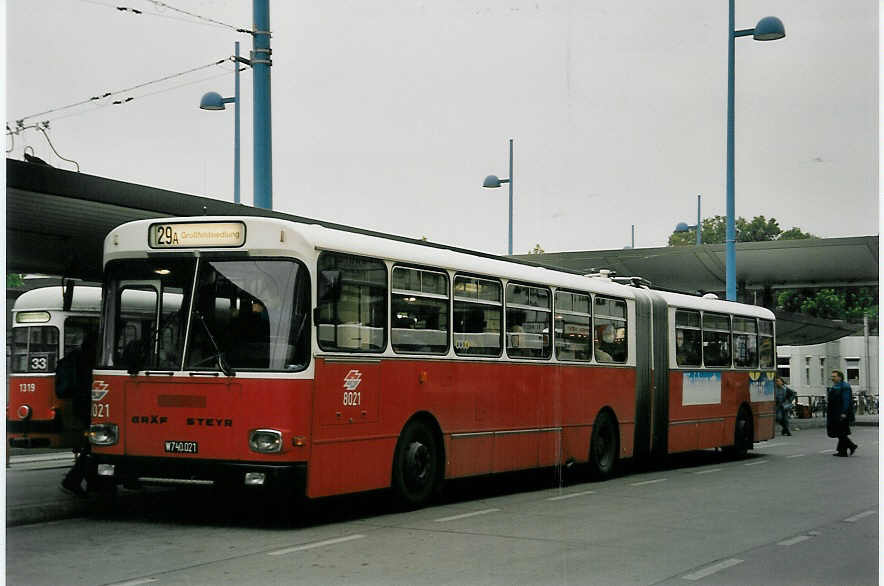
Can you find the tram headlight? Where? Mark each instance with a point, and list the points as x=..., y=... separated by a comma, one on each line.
x=265, y=441
x=104, y=434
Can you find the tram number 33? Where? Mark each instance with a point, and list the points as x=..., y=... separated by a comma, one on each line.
x=353, y=399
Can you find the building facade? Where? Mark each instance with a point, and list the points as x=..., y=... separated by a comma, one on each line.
x=807, y=369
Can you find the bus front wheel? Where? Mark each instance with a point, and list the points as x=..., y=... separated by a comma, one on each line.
x=604, y=447
x=416, y=471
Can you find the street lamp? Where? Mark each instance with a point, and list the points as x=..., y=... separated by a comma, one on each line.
x=493, y=181
x=214, y=101
x=683, y=227
x=769, y=28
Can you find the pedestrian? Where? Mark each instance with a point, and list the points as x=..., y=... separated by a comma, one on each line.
x=73, y=379
x=840, y=398
x=783, y=396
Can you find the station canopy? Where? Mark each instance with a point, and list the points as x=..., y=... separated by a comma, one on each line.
x=56, y=221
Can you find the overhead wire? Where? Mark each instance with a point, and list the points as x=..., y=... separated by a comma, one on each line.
x=197, y=16
x=101, y=105
x=207, y=21
x=101, y=96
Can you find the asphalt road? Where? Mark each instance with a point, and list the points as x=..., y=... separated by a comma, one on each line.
x=790, y=513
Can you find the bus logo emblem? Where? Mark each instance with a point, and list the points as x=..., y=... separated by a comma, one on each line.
x=99, y=390
x=352, y=380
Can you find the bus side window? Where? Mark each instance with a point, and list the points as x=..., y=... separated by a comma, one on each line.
x=716, y=339
x=609, y=330
x=573, y=324
x=478, y=316
x=355, y=320
x=419, y=301
x=745, y=342
x=688, y=338
x=528, y=318
x=766, y=343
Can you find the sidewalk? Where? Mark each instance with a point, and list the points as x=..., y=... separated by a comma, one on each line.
x=815, y=422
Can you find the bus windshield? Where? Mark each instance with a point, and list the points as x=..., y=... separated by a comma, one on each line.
x=245, y=314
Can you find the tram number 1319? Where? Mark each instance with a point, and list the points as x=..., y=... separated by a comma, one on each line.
x=353, y=399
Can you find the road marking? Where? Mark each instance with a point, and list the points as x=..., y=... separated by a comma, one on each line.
x=136, y=582
x=856, y=518
x=710, y=471
x=794, y=540
x=827, y=452
x=644, y=482
x=570, y=496
x=708, y=571
x=774, y=445
x=795, y=456
x=756, y=463
x=315, y=545
x=465, y=515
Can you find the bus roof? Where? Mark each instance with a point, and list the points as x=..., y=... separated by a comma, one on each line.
x=51, y=299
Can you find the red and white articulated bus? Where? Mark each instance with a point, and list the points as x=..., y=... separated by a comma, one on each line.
x=44, y=329
x=324, y=361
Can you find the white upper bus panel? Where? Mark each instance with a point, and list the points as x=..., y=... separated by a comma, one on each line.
x=277, y=237
x=51, y=299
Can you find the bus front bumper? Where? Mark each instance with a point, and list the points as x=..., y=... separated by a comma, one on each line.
x=135, y=472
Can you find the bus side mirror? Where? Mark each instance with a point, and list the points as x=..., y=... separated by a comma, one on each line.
x=329, y=286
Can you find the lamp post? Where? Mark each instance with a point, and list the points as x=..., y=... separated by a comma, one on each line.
x=493, y=181
x=683, y=227
x=769, y=28
x=214, y=101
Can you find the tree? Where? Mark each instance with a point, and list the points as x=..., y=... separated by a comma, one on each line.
x=845, y=303
x=14, y=280
x=760, y=229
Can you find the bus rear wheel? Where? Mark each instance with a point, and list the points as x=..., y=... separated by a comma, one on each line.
x=744, y=434
x=416, y=470
x=604, y=447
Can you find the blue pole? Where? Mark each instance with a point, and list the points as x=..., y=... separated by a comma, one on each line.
x=510, y=248
x=730, y=242
x=236, y=124
x=699, y=227
x=263, y=159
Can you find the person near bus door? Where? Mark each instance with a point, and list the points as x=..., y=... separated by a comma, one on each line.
x=840, y=398
x=783, y=396
x=73, y=379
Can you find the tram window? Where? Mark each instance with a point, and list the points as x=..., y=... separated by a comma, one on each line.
x=688, y=338
x=609, y=330
x=354, y=319
x=716, y=340
x=528, y=324
x=745, y=342
x=478, y=313
x=419, y=305
x=34, y=349
x=573, y=324
x=766, y=348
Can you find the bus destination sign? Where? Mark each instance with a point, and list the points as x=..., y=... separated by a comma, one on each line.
x=197, y=235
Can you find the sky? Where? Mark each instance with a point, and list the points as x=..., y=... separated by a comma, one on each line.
x=388, y=114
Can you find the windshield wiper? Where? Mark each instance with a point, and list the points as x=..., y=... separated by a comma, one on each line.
x=222, y=363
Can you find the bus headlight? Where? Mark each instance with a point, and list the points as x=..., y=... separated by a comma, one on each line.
x=104, y=434
x=265, y=441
